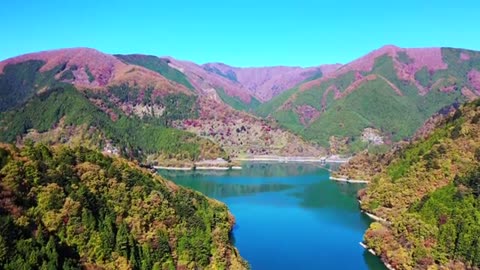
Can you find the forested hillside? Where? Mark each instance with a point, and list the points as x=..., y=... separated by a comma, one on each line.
x=390, y=91
x=131, y=120
x=133, y=105
x=64, y=208
x=428, y=192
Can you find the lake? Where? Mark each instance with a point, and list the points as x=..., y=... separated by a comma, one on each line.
x=288, y=215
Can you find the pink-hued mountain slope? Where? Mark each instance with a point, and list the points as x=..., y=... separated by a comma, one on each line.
x=262, y=83
x=266, y=82
x=96, y=70
x=418, y=58
x=207, y=82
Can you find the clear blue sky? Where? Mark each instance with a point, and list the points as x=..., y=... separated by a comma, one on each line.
x=239, y=32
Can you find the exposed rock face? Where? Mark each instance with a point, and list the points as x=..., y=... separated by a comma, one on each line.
x=147, y=110
x=372, y=136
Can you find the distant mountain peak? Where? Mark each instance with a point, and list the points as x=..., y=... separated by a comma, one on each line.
x=90, y=68
x=79, y=55
x=388, y=47
x=267, y=82
x=426, y=79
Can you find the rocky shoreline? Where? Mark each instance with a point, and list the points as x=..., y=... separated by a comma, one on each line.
x=377, y=219
x=353, y=181
x=329, y=159
x=200, y=168
x=172, y=168
x=389, y=266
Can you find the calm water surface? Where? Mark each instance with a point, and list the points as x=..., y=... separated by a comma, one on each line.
x=289, y=216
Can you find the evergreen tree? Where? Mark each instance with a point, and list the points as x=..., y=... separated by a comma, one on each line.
x=51, y=253
x=121, y=245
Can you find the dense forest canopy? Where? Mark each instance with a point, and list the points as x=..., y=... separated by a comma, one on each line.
x=64, y=208
x=428, y=191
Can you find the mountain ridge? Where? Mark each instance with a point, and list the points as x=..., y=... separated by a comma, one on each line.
x=90, y=68
x=143, y=95
x=105, y=64
x=426, y=79
x=267, y=82
x=321, y=105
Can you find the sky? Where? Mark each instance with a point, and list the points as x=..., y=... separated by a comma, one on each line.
x=238, y=32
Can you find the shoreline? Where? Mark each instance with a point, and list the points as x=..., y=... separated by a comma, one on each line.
x=173, y=168
x=292, y=159
x=389, y=266
x=377, y=219
x=213, y=168
x=199, y=168
x=352, y=181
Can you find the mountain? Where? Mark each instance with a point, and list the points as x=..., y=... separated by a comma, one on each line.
x=241, y=134
x=133, y=105
x=212, y=84
x=74, y=208
x=82, y=96
x=426, y=194
x=266, y=82
x=372, y=102
x=221, y=116
x=84, y=68
x=245, y=88
x=382, y=97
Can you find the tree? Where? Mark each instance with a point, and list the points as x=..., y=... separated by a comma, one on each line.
x=108, y=234
x=146, y=257
x=51, y=253
x=133, y=249
x=3, y=250
x=121, y=245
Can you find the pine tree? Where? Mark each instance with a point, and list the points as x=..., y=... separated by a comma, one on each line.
x=51, y=252
x=108, y=234
x=3, y=249
x=121, y=245
x=146, y=257
x=133, y=256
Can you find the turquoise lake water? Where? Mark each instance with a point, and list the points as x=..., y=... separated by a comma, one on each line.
x=288, y=215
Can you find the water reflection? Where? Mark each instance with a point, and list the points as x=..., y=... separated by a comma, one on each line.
x=219, y=191
x=328, y=194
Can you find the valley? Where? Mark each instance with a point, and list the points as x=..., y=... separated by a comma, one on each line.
x=403, y=120
x=237, y=135
x=290, y=210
